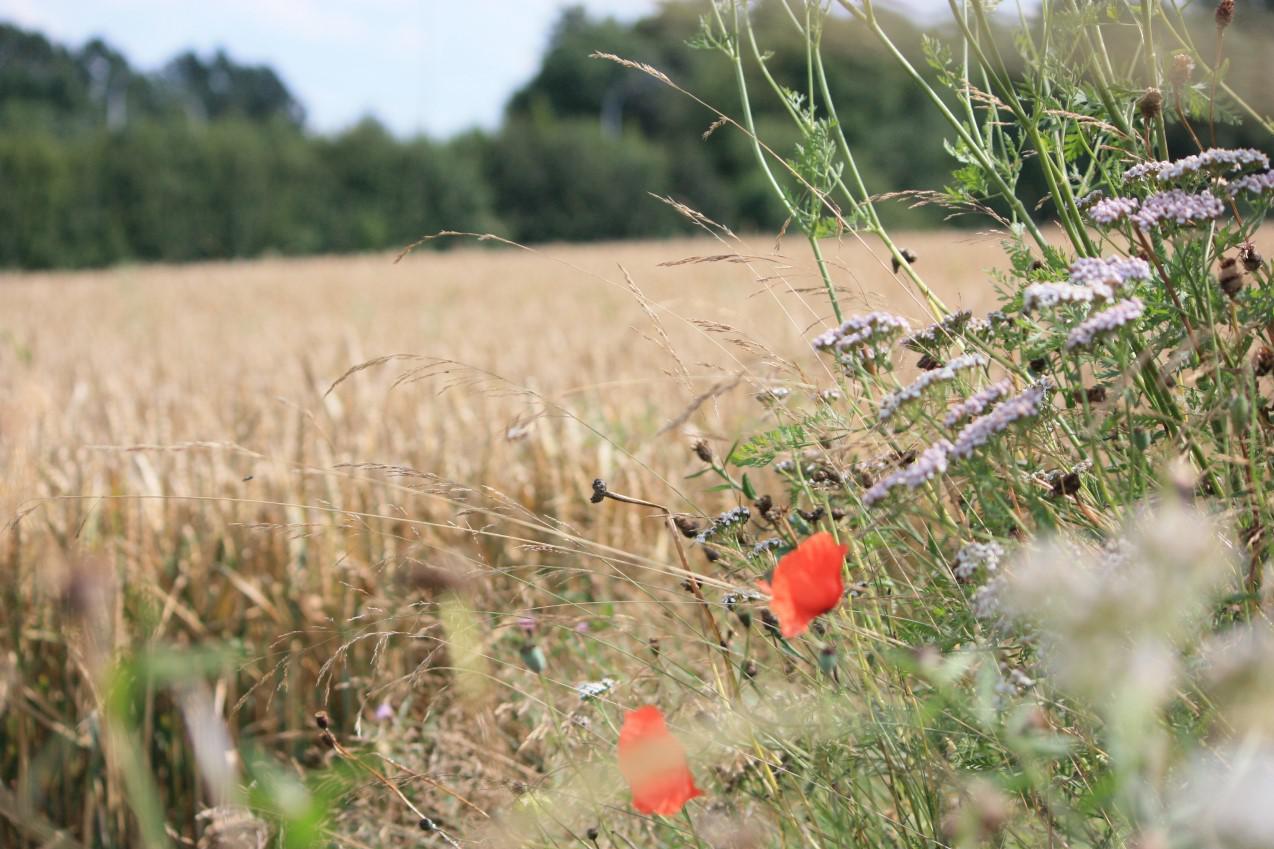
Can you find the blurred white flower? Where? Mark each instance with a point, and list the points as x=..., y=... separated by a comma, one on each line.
x=1224, y=800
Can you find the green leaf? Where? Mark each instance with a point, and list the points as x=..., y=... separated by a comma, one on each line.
x=760, y=450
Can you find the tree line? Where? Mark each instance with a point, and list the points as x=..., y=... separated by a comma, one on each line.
x=206, y=158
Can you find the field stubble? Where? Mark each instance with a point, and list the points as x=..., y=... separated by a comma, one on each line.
x=169, y=442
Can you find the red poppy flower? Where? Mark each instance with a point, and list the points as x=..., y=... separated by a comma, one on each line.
x=654, y=763
x=806, y=583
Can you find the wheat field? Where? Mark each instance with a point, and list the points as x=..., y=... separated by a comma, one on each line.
x=199, y=447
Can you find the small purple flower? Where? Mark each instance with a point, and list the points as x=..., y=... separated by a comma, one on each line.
x=1144, y=169
x=975, y=555
x=1025, y=405
x=1090, y=199
x=527, y=624
x=938, y=333
x=931, y=463
x=384, y=711
x=896, y=400
x=858, y=331
x=1045, y=295
x=1102, y=324
x=1112, y=210
x=1177, y=207
x=581, y=627
x=1257, y=184
x=1112, y=271
x=978, y=403
x=1214, y=159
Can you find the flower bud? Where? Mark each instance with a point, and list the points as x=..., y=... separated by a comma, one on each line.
x=1150, y=104
x=533, y=657
x=1181, y=71
x=1230, y=277
x=1224, y=14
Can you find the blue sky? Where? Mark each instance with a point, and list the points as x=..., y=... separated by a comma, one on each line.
x=438, y=66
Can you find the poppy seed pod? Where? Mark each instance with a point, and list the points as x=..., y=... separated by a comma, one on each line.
x=702, y=450
x=533, y=657
x=827, y=660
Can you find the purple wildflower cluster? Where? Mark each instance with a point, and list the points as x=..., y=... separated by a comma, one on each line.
x=1026, y=404
x=1214, y=160
x=1103, y=323
x=1108, y=211
x=862, y=331
x=896, y=400
x=1257, y=184
x=1114, y=271
x=1218, y=160
x=938, y=333
x=1177, y=207
x=977, y=403
x=1091, y=279
x=990, y=324
x=1144, y=169
x=1045, y=295
x=931, y=463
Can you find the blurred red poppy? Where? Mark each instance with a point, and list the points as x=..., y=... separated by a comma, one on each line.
x=654, y=763
x=807, y=583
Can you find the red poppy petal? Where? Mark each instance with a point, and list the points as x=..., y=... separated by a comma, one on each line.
x=654, y=763
x=667, y=795
x=808, y=582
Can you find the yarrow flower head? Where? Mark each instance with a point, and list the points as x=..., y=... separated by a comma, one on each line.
x=1179, y=207
x=932, y=462
x=1025, y=405
x=977, y=403
x=1102, y=324
x=896, y=400
x=1110, y=211
x=978, y=555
